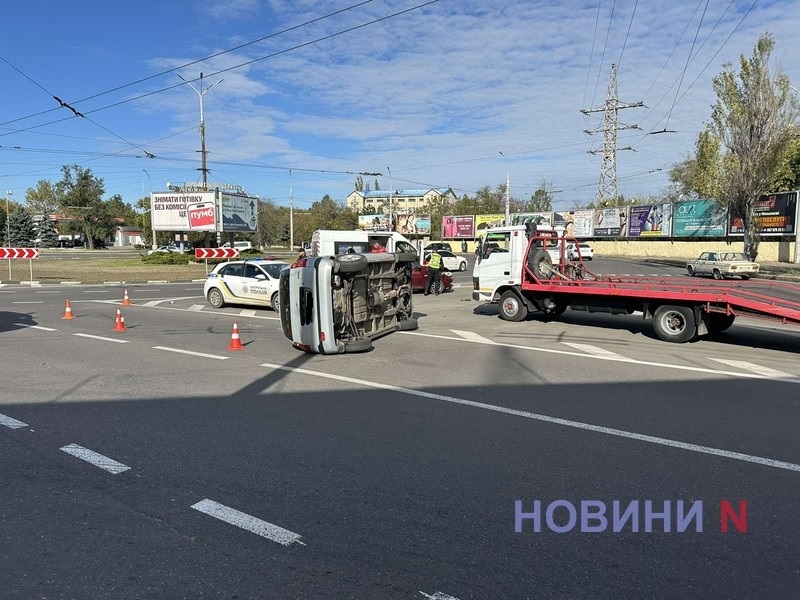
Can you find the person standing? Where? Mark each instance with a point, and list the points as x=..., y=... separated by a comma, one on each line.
x=433, y=282
x=464, y=246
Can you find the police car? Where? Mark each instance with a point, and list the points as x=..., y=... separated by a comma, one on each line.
x=253, y=281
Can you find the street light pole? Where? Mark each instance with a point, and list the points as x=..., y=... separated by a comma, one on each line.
x=291, y=214
x=508, y=188
x=152, y=211
x=390, y=197
x=8, y=222
x=201, y=92
x=796, y=211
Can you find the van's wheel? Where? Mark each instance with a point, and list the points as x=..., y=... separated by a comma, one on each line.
x=408, y=325
x=215, y=298
x=674, y=323
x=512, y=308
x=718, y=322
x=364, y=345
x=350, y=263
x=275, y=302
x=718, y=274
x=541, y=264
x=690, y=270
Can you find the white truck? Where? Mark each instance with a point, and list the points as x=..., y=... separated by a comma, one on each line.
x=330, y=242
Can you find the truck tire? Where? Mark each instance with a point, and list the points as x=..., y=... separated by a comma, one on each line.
x=364, y=345
x=540, y=264
x=350, y=263
x=717, y=322
x=674, y=323
x=512, y=308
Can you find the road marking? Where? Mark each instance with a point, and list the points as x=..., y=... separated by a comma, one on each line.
x=197, y=307
x=46, y=292
x=247, y=522
x=35, y=327
x=100, y=337
x=599, y=352
x=96, y=291
x=763, y=371
x=98, y=460
x=153, y=303
x=28, y=302
x=439, y=596
x=646, y=363
x=650, y=439
x=11, y=423
x=471, y=336
x=247, y=313
x=191, y=353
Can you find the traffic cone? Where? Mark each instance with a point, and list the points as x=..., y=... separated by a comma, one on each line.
x=236, y=343
x=119, y=323
x=68, y=312
x=126, y=301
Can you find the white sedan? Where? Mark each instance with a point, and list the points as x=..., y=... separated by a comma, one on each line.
x=450, y=261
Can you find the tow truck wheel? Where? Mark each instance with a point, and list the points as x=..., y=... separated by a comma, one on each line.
x=674, y=323
x=512, y=308
x=718, y=322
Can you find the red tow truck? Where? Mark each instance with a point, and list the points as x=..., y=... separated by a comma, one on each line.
x=516, y=267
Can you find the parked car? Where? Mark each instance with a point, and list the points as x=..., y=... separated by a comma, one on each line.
x=585, y=250
x=450, y=261
x=336, y=304
x=252, y=282
x=723, y=264
x=437, y=246
x=240, y=246
x=419, y=279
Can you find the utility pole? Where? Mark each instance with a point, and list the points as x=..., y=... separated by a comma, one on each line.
x=390, y=197
x=508, y=190
x=607, y=189
x=291, y=214
x=201, y=92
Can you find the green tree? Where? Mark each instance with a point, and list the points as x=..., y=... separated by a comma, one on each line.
x=21, y=229
x=326, y=213
x=81, y=196
x=46, y=233
x=542, y=198
x=43, y=199
x=753, y=119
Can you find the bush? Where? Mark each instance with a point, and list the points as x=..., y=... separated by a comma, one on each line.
x=167, y=258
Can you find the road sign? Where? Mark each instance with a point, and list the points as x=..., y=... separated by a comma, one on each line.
x=19, y=253
x=216, y=253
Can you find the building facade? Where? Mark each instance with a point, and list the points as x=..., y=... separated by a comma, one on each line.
x=404, y=201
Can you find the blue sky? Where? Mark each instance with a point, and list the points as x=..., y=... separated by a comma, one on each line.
x=431, y=94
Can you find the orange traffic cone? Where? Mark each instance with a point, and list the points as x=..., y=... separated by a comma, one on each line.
x=68, y=312
x=119, y=323
x=126, y=301
x=236, y=343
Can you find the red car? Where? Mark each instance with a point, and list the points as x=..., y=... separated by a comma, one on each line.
x=419, y=276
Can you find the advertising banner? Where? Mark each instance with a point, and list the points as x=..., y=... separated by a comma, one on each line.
x=239, y=213
x=171, y=211
x=458, y=227
x=541, y=218
x=373, y=222
x=611, y=222
x=581, y=224
x=483, y=222
x=412, y=224
x=650, y=220
x=699, y=218
x=775, y=215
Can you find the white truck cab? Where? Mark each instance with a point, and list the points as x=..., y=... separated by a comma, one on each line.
x=501, y=254
x=330, y=242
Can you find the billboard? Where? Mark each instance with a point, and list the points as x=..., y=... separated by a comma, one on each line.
x=541, y=218
x=775, y=215
x=488, y=222
x=458, y=227
x=373, y=222
x=239, y=213
x=699, y=218
x=610, y=222
x=171, y=211
x=650, y=220
x=412, y=224
x=581, y=223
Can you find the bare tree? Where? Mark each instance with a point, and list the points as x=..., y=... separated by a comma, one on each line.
x=754, y=121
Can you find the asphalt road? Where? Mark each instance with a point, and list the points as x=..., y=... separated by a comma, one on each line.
x=392, y=474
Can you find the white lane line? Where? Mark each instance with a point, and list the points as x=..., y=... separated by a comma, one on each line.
x=47, y=292
x=10, y=422
x=95, y=458
x=439, y=596
x=153, y=303
x=471, y=336
x=35, y=327
x=100, y=337
x=28, y=302
x=247, y=313
x=197, y=307
x=646, y=363
x=96, y=291
x=650, y=439
x=191, y=353
x=599, y=352
x=247, y=522
x=760, y=370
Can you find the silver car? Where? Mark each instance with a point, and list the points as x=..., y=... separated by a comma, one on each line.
x=723, y=264
x=336, y=304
